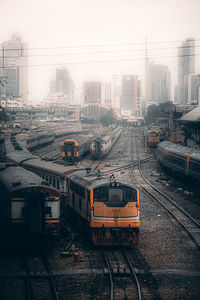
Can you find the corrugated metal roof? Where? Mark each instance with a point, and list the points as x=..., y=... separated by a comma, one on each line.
x=179, y=149
x=16, y=178
x=192, y=116
x=49, y=167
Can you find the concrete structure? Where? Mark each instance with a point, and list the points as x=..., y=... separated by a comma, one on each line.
x=130, y=93
x=191, y=126
x=92, y=92
x=186, y=66
x=12, y=103
x=14, y=53
x=157, y=86
x=63, y=84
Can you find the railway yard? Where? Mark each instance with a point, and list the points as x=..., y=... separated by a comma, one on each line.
x=162, y=263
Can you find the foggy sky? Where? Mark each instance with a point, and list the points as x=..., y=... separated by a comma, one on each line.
x=86, y=23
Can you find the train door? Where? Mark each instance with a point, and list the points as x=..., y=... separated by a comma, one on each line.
x=69, y=150
x=35, y=212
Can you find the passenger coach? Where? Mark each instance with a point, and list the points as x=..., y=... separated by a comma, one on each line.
x=179, y=159
x=27, y=204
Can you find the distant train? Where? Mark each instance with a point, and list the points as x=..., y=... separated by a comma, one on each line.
x=179, y=159
x=152, y=138
x=101, y=146
x=109, y=209
x=35, y=140
x=28, y=205
x=72, y=150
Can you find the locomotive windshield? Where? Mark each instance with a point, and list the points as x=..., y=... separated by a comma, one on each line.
x=114, y=196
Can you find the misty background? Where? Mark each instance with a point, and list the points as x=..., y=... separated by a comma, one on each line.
x=95, y=39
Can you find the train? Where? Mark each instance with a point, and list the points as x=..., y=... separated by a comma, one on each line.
x=28, y=205
x=101, y=146
x=180, y=160
x=108, y=208
x=72, y=150
x=152, y=138
x=35, y=140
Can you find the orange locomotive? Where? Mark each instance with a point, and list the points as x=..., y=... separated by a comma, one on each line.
x=110, y=209
x=153, y=138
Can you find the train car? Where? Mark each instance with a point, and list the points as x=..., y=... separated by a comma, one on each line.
x=179, y=159
x=34, y=140
x=108, y=209
x=152, y=138
x=72, y=150
x=101, y=146
x=54, y=174
x=28, y=206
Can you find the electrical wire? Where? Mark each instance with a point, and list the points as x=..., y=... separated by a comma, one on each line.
x=95, y=62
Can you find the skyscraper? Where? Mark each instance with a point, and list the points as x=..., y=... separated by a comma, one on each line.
x=130, y=92
x=157, y=86
x=92, y=92
x=63, y=84
x=15, y=67
x=186, y=66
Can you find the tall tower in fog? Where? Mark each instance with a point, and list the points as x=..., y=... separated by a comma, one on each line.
x=186, y=67
x=14, y=53
x=130, y=92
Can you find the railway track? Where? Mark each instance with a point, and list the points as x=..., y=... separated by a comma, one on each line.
x=39, y=279
x=190, y=225
x=116, y=262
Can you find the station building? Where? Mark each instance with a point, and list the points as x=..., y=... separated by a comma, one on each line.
x=190, y=124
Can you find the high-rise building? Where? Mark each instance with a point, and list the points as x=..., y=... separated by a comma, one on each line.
x=157, y=86
x=63, y=84
x=92, y=92
x=107, y=94
x=130, y=92
x=14, y=53
x=186, y=66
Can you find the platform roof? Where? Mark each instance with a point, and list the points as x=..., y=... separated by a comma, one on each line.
x=192, y=116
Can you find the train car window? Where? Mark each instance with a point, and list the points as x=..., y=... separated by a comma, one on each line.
x=58, y=184
x=194, y=166
x=100, y=194
x=80, y=203
x=77, y=189
x=73, y=200
x=50, y=181
x=88, y=197
x=54, y=182
x=46, y=178
x=177, y=160
x=129, y=196
x=115, y=195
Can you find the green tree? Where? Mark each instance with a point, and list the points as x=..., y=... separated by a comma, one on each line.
x=108, y=118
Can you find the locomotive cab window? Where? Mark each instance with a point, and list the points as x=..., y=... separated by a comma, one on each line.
x=115, y=195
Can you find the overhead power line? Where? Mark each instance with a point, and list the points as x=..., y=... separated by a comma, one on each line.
x=97, y=45
x=95, y=62
x=101, y=52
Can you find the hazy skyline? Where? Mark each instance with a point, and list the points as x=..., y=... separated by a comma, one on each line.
x=92, y=26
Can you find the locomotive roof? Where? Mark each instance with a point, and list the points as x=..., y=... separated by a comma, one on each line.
x=179, y=149
x=17, y=178
x=50, y=167
x=92, y=180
